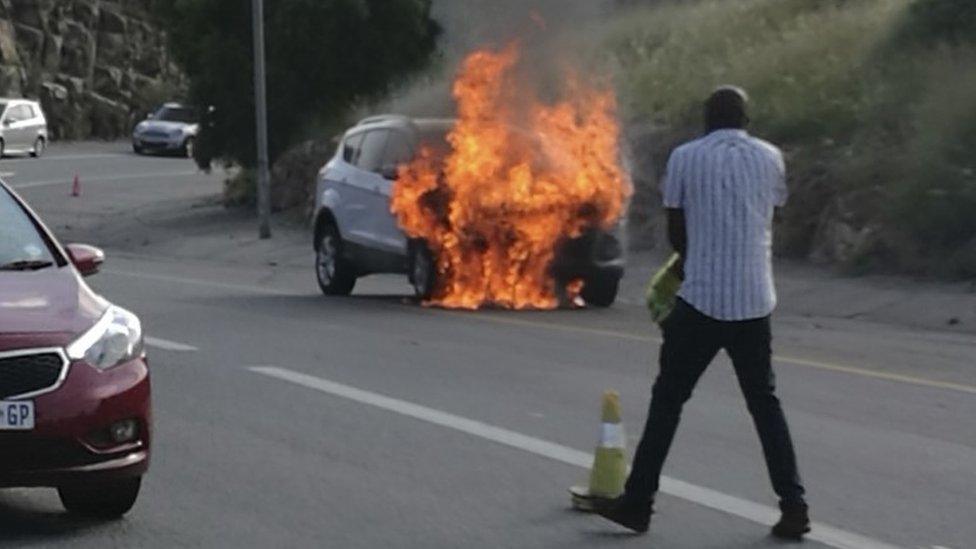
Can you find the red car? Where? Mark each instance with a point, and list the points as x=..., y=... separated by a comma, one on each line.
x=74, y=383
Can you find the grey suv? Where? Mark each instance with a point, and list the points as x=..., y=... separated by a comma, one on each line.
x=356, y=234
x=23, y=127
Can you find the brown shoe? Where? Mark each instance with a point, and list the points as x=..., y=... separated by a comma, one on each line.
x=794, y=522
x=632, y=515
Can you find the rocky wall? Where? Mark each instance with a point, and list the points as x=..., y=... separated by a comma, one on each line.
x=97, y=66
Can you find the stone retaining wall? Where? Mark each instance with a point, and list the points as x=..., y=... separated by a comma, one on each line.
x=97, y=66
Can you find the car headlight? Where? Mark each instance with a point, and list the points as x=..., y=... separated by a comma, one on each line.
x=114, y=339
x=140, y=127
x=176, y=133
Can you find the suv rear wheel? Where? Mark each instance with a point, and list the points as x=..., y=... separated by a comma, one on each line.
x=109, y=499
x=335, y=274
x=423, y=269
x=600, y=290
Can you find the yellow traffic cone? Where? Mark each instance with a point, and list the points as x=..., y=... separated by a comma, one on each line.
x=610, y=461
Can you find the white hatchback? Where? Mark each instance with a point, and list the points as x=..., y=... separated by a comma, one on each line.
x=23, y=127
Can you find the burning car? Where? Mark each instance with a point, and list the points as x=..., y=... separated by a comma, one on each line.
x=514, y=204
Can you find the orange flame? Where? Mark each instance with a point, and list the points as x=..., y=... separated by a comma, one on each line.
x=520, y=177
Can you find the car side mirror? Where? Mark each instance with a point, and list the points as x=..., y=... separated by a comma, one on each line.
x=87, y=259
x=390, y=172
x=7, y=122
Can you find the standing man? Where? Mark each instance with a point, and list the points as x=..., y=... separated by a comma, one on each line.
x=720, y=194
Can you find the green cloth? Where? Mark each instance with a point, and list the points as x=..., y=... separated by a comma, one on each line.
x=662, y=291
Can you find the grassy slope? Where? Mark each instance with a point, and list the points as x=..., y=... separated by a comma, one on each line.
x=876, y=121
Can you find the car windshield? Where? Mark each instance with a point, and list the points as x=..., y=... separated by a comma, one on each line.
x=176, y=114
x=20, y=241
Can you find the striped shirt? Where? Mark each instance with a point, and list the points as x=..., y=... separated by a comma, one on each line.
x=728, y=183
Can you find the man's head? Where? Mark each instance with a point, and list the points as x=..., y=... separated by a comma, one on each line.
x=726, y=108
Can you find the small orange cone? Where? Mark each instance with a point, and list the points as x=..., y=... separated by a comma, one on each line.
x=76, y=186
x=609, y=471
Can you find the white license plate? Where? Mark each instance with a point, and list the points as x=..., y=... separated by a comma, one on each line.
x=16, y=415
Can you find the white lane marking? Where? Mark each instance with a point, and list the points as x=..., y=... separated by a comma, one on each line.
x=101, y=179
x=706, y=497
x=204, y=283
x=168, y=345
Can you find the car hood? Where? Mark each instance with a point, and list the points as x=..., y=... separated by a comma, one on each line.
x=48, y=307
x=165, y=126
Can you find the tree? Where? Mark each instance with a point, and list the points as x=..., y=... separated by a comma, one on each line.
x=323, y=56
x=952, y=21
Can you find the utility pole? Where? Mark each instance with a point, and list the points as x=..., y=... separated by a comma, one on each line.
x=261, y=112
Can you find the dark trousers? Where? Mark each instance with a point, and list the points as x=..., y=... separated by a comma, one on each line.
x=691, y=341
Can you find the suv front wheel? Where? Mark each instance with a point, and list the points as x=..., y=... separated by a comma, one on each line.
x=335, y=275
x=600, y=290
x=423, y=270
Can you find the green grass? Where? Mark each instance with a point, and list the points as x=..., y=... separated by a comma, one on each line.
x=874, y=102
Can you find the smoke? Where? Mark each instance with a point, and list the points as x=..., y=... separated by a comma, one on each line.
x=469, y=24
x=550, y=33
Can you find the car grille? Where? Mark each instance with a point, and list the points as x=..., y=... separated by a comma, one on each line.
x=156, y=134
x=29, y=373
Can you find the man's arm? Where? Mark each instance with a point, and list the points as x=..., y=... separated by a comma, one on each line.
x=678, y=236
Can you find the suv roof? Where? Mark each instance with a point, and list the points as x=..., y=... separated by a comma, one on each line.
x=17, y=100
x=401, y=121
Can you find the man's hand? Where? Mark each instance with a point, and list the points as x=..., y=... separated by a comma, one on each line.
x=678, y=236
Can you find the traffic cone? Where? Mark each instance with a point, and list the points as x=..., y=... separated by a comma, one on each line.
x=610, y=460
x=76, y=186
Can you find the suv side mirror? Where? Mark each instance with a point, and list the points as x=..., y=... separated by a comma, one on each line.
x=87, y=259
x=390, y=172
x=7, y=122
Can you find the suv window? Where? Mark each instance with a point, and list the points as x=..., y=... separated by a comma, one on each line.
x=398, y=150
x=351, y=147
x=24, y=113
x=372, y=154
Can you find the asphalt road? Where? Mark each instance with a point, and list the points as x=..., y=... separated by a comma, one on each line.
x=284, y=418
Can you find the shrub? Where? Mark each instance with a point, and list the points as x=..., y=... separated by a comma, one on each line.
x=873, y=101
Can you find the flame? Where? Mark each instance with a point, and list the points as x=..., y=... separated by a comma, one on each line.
x=520, y=177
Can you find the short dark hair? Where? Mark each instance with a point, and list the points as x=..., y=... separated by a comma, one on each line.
x=727, y=107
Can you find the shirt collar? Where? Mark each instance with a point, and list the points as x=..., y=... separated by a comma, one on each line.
x=729, y=132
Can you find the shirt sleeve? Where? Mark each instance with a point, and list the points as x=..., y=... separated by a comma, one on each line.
x=780, y=192
x=673, y=189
